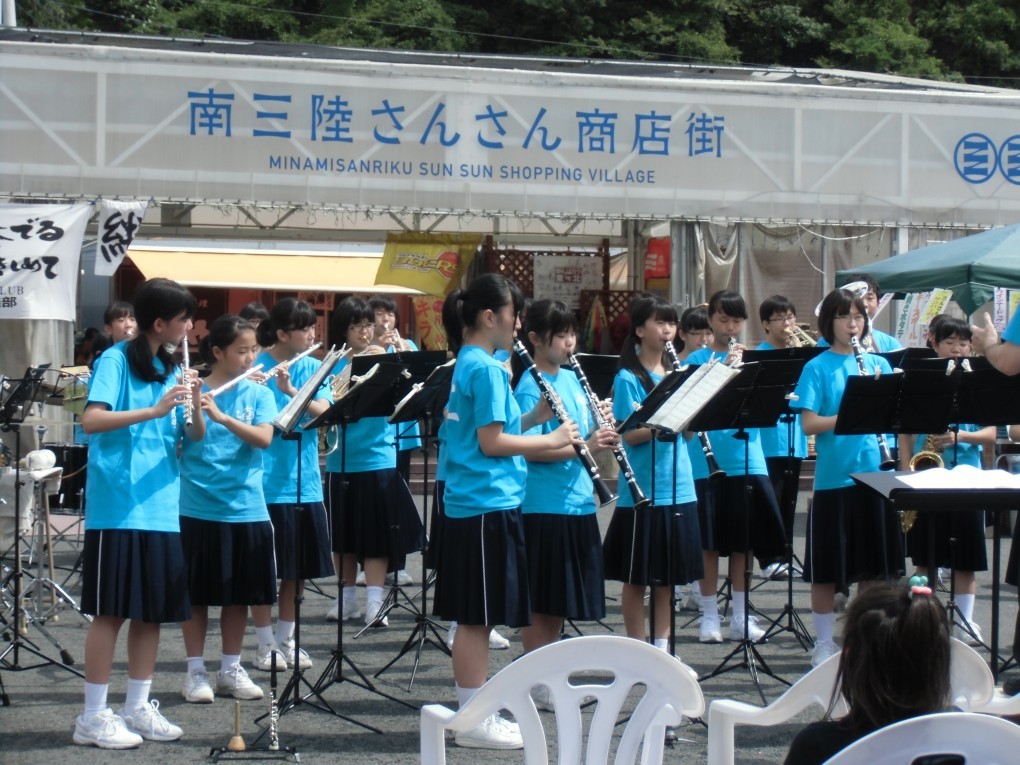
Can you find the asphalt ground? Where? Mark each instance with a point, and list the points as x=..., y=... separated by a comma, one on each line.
x=44, y=700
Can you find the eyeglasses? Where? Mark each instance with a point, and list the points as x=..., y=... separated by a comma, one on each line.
x=365, y=326
x=852, y=318
x=788, y=317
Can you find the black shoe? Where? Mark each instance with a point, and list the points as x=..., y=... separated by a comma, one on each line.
x=1011, y=687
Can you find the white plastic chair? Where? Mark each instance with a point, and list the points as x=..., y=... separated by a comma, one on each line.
x=670, y=692
x=971, y=683
x=813, y=688
x=979, y=739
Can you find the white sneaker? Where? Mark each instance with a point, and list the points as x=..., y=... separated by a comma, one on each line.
x=754, y=630
x=352, y=609
x=542, y=698
x=693, y=602
x=265, y=659
x=235, y=682
x=492, y=733
x=148, y=722
x=823, y=650
x=976, y=640
x=288, y=653
x=334, y=611
x=402, y=578
x=196, y=688
x=105, y=730
x=710, y=630
x=497, y=642
x=372, y=618
x=359, y=580
x=450, y=632
x=774, y=571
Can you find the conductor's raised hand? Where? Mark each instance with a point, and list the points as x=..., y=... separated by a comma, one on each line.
x=985, y=335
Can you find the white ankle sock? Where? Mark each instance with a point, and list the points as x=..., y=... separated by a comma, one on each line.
x=662, y=644
x=284, y=631
x=266, y=637
x=227, y=661
x=373, y=594
x=464, y=695
x=350, y=594
x=966, y=605
x=823, y=626
x=95, y=698
x=137, y=694
x=196, y=663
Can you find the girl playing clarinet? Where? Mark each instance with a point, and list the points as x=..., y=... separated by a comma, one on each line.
x=852, y=535
x=658, y=546
x=297, y=513
x=482, y=571
x=133, y=563
x=225, y=527
x=561, y=531
x=951, y=339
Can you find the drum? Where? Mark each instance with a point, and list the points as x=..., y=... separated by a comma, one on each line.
x=73, y=458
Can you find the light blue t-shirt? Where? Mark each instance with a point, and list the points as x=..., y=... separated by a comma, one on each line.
x=133, y=473
x=279, y=461
x=368, y=445
x=820, y=390
x=221, y=475
x=480, y=395
x=963, y=454
x=728, y=451
x=775, y=442
x=1012, y=333
x=882, y=342
x=564, y=487
x=627, y=392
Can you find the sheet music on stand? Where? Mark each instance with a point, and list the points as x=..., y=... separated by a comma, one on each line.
x=691, y=397
x=430, y=395
x=290, y=415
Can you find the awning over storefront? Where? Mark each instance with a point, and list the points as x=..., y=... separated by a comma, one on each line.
x=261, y=269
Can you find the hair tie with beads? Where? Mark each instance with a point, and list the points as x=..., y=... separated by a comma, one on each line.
x=919, y=586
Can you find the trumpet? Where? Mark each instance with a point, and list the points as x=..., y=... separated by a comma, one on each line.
x=274, y=371
x=640, y=500
x=714, y=471
x=189, y=404
x=798, y=337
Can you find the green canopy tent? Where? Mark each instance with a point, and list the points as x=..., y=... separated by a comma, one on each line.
x=972, y=267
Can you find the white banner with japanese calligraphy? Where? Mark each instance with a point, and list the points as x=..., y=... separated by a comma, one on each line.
x=562, y=277
x=40, y=248
x=118, y=224
x=417, y=132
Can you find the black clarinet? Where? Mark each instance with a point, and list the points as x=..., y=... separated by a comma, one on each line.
x=885, y=455
x=560, y=412
x=640, y=500
x=714, y=471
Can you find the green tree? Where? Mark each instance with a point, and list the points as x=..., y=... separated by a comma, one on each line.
x=977, y=41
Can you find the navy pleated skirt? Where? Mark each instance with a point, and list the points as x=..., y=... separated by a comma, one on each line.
x=229, y=564
x=565, y=565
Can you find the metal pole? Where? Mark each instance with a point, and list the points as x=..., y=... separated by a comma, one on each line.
x=8, y=16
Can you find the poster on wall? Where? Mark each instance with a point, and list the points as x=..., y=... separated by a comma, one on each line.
x=40, y=249
x=562, y=277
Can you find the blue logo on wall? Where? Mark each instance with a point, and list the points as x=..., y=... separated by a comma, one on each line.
x=1009, y=159
x=976, y=158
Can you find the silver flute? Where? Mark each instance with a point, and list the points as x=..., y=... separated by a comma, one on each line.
x=189, y=403
x=274, y=371
x=236, y=381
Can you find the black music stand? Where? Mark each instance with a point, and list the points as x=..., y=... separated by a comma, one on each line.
x=644, y=417
x=753, y=399
x=788, y=375
x=13, y=411
x=426, y=399
x=370, y=396
x=902, y=496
